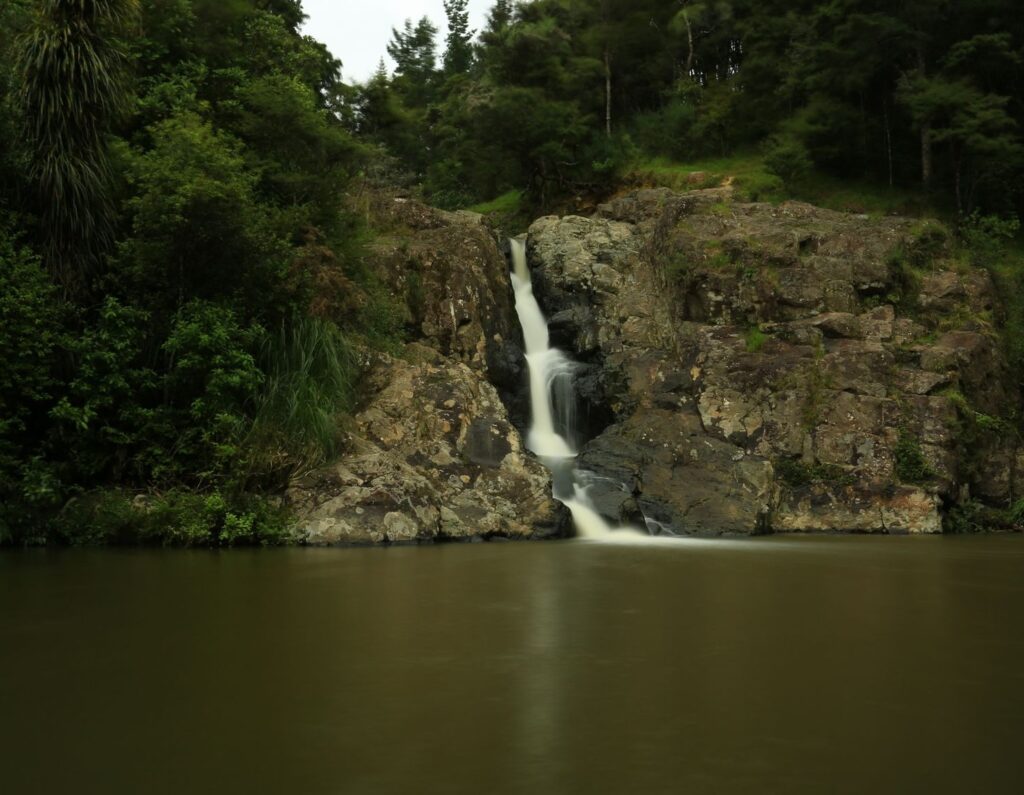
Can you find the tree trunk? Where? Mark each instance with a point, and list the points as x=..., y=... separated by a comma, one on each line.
x=926, y=155
x=607, y=93
x=957, y=171
x=888, y=140
x=689, y=42
x=864, y=148
x=926, y=128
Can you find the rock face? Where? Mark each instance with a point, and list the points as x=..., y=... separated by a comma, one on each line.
x=778, y=368
x=433, y=454
x=453, y=279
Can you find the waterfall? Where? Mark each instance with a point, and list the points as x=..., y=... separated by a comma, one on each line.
x=551, y=373
x=546, y=364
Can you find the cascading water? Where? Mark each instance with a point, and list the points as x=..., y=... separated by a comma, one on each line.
x=551, y=385
x=547, y=365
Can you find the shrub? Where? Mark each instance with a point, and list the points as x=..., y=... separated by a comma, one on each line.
x=31, y=340
x=1017, y=513
x=100, y=518
x=211, y=384
x=787, y=157
x=100, y=418
x=986, y=236
x=175, y=518
x=182, y=518
x=666, y=132
x=976, y=517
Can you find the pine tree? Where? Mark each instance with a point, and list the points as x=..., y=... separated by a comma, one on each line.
x=458, y=56
x=414, y=51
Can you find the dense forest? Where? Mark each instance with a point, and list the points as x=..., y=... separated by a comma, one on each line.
x=183, y=298
x=561, y=95
x=173, y=175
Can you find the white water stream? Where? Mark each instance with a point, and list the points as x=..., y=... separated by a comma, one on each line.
x=551, y=388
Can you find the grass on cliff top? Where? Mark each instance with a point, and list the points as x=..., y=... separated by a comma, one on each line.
x=747, y=173
x=510, y=202
x=508, y=213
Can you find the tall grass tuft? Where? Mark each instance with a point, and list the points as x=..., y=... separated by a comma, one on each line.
x=311, y=373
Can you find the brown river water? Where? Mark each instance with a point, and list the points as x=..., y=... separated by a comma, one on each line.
x=779, y=665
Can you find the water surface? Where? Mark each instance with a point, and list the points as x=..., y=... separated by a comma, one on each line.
x=817, y=665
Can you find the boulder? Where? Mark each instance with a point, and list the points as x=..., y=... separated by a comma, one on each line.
x=432, y=456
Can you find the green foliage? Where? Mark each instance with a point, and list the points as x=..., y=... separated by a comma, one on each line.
x=972, y=516
x=458, y=55
x=212, y=381
x=187, y=519
x=175, y=518
x=891, y=96
x=192, y=172
x=1007, y=269
x=911, y=466
x=666, y=132
x=101, y=412
x=30, y=334
x=31, y=338
x=414, y=50
x=974, y=123
x=986, y=237
x=507, y=204
x=198, y=229
x=758, y=187
x=906, y=281
x=508, y=213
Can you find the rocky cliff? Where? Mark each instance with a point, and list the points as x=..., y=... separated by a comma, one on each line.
x=432, y=453
x=745, y=368
x=756, y=368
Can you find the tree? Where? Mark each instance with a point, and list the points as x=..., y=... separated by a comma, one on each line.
x=71, y=70
x=414, y=51
x=975, y=126
x=458, y=55
x=500, y=16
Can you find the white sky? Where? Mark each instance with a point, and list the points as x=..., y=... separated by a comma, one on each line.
x=357, y=31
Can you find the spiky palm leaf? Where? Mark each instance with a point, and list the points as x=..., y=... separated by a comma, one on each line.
x=71, y=70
